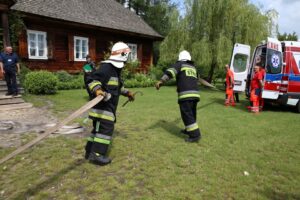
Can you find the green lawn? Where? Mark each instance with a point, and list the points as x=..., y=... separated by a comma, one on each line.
x=151, y=160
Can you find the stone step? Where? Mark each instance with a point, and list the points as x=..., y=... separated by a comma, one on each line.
x=3, y=83
x=15, y=106
x=9, y=101
x=3, y=96
x=4, y=89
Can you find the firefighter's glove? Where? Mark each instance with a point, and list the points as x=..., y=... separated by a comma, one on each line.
x=130, y=96
x=158, y=84
x=106, y=95
x=100, y=92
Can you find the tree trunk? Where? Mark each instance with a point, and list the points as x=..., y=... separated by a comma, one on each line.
x=211, y=71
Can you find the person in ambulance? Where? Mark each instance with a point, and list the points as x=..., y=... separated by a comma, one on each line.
x=256, y=87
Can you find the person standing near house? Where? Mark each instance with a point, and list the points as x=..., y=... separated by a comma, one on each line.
x=88, y=68
x=9, y=66
x=229, y=86
x=186, y=77
x=106, y=81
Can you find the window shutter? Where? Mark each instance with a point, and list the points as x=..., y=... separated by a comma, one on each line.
x=23, y=45
x=140, y=52
x=51, y=46
x=71, y=47
x=92, y=48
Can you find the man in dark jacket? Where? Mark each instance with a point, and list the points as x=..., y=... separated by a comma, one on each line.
x=9, y=66
x=106, y=81
x=186, y=75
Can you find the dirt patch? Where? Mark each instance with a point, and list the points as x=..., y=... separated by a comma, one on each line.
x=16, y=122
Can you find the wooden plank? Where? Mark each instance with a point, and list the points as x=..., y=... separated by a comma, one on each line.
x=51, y=130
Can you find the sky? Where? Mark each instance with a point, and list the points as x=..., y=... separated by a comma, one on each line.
x=289, y=12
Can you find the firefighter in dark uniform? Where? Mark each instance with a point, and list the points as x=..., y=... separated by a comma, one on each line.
x=186, y=75
x=88, y=68
x=106, y=81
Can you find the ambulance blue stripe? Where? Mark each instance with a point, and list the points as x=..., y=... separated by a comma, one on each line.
x=273, y=77
x=294, y=78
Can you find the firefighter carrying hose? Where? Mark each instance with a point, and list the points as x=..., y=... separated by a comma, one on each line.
x=256, y=86
x=185, y=74
x=106, y=81
x=229, y=86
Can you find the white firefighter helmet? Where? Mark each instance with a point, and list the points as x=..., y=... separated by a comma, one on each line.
x=184, y=56
x=119, y=54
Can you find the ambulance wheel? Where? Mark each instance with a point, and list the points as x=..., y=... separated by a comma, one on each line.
x=298, y=107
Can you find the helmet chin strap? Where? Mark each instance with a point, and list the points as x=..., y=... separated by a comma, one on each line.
x=117, y=63
x=116, y=60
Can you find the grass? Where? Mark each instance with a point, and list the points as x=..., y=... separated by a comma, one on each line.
x=151, y=160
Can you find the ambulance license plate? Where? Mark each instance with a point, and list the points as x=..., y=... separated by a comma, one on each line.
x=237, y=82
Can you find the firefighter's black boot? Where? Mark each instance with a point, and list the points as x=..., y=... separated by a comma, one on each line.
x=183, y=131
x=193, y=139
x=88, y=148
x=99, y=159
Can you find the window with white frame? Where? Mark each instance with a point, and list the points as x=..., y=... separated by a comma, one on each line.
x=81, y=48
x=37, y=44
x=133, y=54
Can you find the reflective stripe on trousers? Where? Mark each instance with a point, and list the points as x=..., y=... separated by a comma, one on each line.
x=102, y=114
x=102, y=139
x=189, y=93
x=191, y=127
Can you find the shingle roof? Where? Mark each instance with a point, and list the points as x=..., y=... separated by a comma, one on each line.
x=102, y=13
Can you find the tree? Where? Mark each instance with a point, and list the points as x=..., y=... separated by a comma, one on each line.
x=288, y=37
x=156, y=14
x=209, y=30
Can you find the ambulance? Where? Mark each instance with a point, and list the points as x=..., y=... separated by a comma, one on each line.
x=281, y=61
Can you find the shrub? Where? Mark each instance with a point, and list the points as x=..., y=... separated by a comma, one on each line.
x=63, y=76
x=23, y=73
x=126, y=74
x=41, y=82
x=75, y=83
x=131, y=66
x=156, y=72
x=139, y=80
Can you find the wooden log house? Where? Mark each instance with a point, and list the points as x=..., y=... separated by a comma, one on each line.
x=59, y=33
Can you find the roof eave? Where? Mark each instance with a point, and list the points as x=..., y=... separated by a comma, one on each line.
x=157, y=37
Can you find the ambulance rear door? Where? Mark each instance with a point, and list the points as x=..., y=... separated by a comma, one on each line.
x=273, y=69
x=239, y=65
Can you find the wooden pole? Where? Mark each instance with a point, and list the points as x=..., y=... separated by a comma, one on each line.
x=77, y=113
